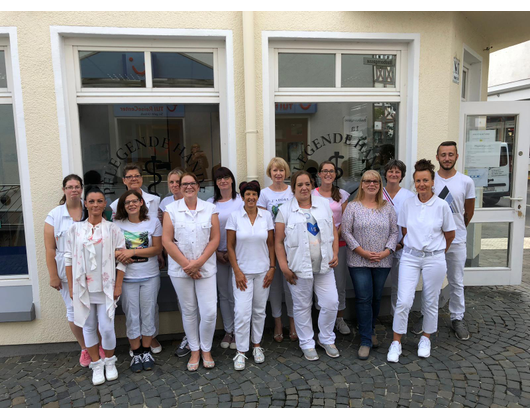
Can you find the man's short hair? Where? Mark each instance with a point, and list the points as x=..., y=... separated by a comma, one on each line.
x=447, y=143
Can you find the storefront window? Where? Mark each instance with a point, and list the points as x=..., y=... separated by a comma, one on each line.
x=159, y=137
x=13, y=260
x=355, y=136
x=368, y=71
x=306, y=70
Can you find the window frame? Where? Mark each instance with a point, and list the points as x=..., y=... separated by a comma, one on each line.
x=405, y=93
x=12, y=95
x=67, y=71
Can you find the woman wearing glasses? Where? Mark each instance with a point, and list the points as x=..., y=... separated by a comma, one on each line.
x=227, y=201
x=58, y=221
x=369, y=227
x=338, y=200
x=143, y=241
x=190, y=237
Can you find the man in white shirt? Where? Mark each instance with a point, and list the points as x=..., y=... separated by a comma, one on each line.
x=458, y=190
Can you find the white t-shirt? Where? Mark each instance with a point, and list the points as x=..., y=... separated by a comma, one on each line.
x=167, y=200
x=426, y=223
x=272, y=200
x=455, y=191
x=252, y=252
x=137, y=236
x=225, y=209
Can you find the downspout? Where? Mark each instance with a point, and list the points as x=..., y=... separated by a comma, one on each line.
x=251, y=133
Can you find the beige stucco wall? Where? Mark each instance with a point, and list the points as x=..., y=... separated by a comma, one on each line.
x=441, y=38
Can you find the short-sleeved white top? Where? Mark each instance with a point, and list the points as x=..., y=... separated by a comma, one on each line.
x=165, y=201
x=252, y=252
x=402, y=195
x=226, y=208
x=272, y=200
x=426, y=223
x=151, y=201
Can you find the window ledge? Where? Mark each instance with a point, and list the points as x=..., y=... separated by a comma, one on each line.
x=16, y=304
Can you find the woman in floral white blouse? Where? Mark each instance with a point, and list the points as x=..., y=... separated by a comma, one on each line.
x=94, y=283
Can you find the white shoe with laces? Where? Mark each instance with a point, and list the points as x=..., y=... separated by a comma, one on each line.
x=342, y=327
x=394, y=352
x=239, y=361
x=424, y=347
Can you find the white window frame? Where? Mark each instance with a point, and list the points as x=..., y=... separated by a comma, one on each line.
x=67, y=41
x=407, y=46
x=13, y=95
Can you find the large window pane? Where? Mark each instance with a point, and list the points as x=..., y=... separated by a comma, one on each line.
x=354, y=136
x=368, y=71
x=188, y=69
x=13, y=258
x=488, y=244
x=306, y=70
x=159, y=137
x=109, y=69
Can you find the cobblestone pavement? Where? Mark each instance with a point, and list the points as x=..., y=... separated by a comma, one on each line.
x=489, y=370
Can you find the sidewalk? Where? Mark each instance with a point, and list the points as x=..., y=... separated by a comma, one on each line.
x=492, y=369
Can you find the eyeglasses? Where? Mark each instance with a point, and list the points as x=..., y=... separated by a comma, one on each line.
x=224, y=178
x=129, y=177
x=70, y=188
x=328, y=171
x=188, y=184
x=128, y=203
x=371, y=181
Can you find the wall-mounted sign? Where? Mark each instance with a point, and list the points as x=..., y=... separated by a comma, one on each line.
x=456, y=70
x=292, y=108
x=378, y=61
x=148, y=110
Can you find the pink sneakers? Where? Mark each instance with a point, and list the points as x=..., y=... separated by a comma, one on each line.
x=84, y=359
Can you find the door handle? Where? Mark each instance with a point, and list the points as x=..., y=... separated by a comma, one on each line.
x=515, y=198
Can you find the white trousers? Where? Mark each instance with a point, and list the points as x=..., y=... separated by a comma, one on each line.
x=433, y=271
x=98, y=317
x=197, y=297
x=65, y=293
x=226, y=295
x=278, y=288
x=139, y=306
x=456, y=260
x=250, y=307
x=394, y=278
x=324, y=286
x=341, y=274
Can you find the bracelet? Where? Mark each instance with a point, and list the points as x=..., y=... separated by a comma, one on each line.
x=272, y=266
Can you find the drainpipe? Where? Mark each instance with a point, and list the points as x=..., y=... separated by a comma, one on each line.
x=251, y=133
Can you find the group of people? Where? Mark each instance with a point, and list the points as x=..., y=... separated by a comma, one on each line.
x=242, y=248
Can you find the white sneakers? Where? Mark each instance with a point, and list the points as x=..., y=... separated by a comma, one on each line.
x=104, y=367
x=239, y=361
x=394, y=352
x=424, y=349
x=259, y=357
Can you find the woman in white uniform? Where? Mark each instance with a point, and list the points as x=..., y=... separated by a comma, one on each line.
x=250, y=241
x=338, y=200
x=190, y=237
x=143, y=240
x=57, y=223
x=94, y=283
x=428, y=230
x=271, y=199
x=307, y=247
x=395, y=171
x=227, y=201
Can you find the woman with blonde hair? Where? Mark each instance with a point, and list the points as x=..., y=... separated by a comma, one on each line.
x=271, y=198
x=369, y=226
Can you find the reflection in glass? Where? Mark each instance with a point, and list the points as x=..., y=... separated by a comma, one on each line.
x=159, y=137
x=109, y=69
x=306, y=70
x=13, y=258
x=490, y=141
x=354, y=136
x=188, y=69
x=488, y=244
x=368, y=71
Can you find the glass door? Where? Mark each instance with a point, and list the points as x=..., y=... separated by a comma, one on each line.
x=494, y=150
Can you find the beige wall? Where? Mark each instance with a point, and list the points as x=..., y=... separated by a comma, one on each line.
x=441, y=38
